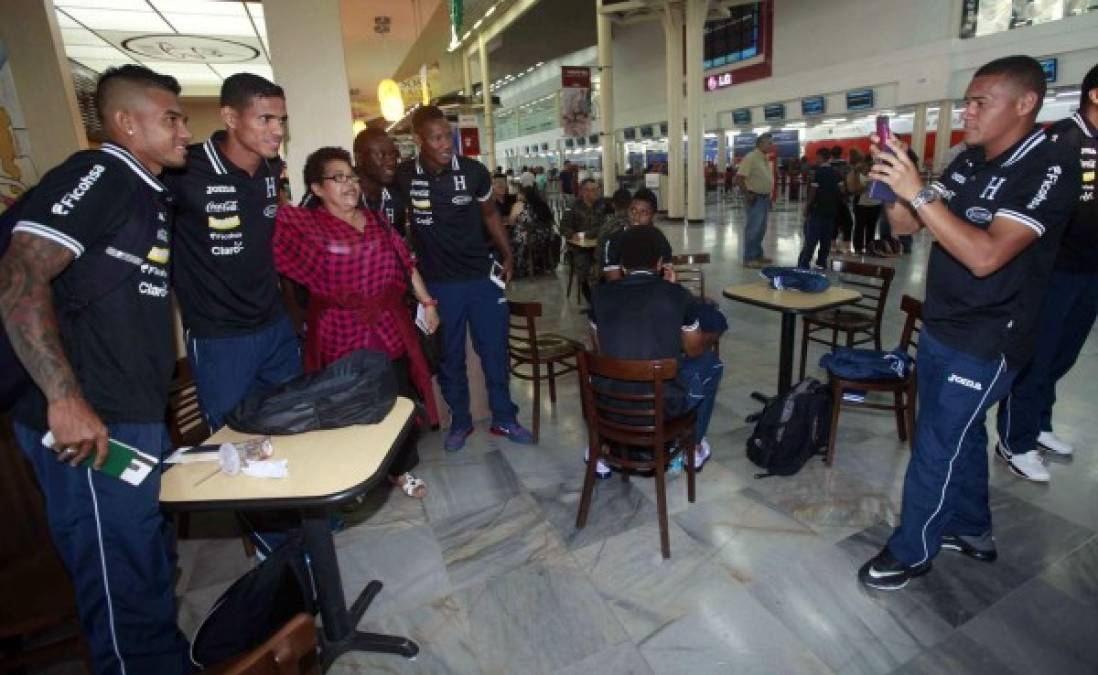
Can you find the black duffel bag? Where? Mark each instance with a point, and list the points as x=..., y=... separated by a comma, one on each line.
x=360, y=388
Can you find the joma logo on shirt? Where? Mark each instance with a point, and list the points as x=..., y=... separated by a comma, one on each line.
x=965, y=382
x=63, y=206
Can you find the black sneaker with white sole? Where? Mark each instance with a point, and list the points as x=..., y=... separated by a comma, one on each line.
x=885, y=573
x=980, y=548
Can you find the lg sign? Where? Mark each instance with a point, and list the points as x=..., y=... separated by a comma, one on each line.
x=714, y=82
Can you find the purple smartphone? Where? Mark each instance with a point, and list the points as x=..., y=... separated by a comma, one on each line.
x=878, y=190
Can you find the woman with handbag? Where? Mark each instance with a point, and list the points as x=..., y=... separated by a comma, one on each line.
x=358, y=271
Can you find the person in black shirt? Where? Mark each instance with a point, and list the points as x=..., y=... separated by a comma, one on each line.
x=102, y=365
x=503, y=200
x=997, y=216
x=453, y=227
x=239, y=337
x=820, y=208
x=647, y=296
x=1067, y=313
x=376, y=159
x=641, y=213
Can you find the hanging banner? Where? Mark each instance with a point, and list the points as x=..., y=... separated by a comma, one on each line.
x=470, y=141
x=575, y=100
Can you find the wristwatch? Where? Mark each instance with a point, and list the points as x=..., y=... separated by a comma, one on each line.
x=924, y=197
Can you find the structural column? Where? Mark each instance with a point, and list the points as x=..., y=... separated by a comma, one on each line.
x=606, y=103
x=308, y=62
x=671, y=18
x=696, y=11
x=945, y=129
x=489, y=139
x=918, y=132
x=43, y=86
x=722, y=151
x=466, y=74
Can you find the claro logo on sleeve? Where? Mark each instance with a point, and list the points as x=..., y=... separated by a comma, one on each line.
x=64, y=205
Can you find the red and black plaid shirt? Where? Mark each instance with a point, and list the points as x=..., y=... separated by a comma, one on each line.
x=346, y=268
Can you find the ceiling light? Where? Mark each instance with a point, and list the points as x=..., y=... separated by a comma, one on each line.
x=117, y=20
x=491, y=10
x=392, y=103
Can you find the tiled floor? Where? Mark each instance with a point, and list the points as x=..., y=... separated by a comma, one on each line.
x=489, y=575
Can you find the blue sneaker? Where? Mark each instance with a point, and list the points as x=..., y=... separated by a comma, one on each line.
x=455, y=438
x=514, y=432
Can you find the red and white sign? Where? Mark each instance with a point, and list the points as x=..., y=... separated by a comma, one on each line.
x=575, y=100
x=470, y=141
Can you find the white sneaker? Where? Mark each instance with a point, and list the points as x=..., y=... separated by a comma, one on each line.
x=1051, y=442
x=1029, y=465
x=701, y=455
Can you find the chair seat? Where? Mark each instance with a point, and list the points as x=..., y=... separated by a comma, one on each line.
x=842, y=319
x=550, y=347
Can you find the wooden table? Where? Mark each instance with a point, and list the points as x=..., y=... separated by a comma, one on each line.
x=790, y=303
x=326, y=468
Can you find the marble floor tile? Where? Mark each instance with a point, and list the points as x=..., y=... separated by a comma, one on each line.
x=834, y=504
x=958, y=654
x=1029, y=537
x=1038, y=629
x=1070, y=493
x=385, y=505
x=957, y=588
x=715, y=481
x=645, y=591
x=1077, y=573
x=463, y=482
x=407, y=560
x=622, y=659
x=820, y=600
x=731, y=633
x=440, y=628
x=494, y=540
x=552, y=462
x=537, y=619
x=615, y=507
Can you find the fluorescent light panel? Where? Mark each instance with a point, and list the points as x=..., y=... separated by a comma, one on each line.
x=109, y=19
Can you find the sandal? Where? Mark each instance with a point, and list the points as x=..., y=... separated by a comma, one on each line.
x=412, y=486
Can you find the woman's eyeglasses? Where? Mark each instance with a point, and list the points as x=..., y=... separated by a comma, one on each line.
x=341, y=177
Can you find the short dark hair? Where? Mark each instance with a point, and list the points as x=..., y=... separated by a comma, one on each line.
x=238, y=90
x=763, y=137
x=364, y=137
x=1089, y=82
x=823, y=153
x=132, y=74
x=646, y=195
x=426, y=114
x=641, y=248
x=836, y=152
x=315, y=163
x=592, y=181
x=621, y=198
x=1023, y=70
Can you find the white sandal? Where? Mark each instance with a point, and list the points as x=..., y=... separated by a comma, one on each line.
x=414, y=487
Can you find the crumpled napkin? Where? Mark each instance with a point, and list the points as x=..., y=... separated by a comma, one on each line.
x=267, y=468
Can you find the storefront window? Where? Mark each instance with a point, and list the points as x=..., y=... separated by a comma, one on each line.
x=986, y=17
x=733, y=39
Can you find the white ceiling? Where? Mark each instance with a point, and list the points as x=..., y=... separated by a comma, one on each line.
x=199, y=42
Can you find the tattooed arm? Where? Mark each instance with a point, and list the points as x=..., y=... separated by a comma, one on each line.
x=26, y=308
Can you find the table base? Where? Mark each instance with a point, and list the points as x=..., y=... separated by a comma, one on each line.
x=339, y=635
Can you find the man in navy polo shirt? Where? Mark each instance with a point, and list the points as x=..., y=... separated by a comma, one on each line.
x=1068, y=312
x=451, y=219
x=239, y=337
x=997, y=216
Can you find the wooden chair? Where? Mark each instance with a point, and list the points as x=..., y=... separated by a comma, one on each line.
x=530, y=351
x=861, y=321
x=38, y=620
x=618, y=424
x=903, y=390
x=186, y=425
x=690, y=273
x=290, y=651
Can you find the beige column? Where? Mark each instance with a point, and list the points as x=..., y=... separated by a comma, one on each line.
x=307, y=56
x=672, y=21
x=43, y=84
x=696, y=11
x=606, y=103
x=918, y=131
x=466, y=74
x=489, y=140
x=941, y=142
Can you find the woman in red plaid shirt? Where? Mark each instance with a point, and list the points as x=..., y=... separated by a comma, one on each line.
x=357, y=269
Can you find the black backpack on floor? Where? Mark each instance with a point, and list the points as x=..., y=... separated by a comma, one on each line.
x=257, y=604
x=791, y=429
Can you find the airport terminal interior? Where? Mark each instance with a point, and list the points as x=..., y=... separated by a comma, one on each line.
x=488, y=573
